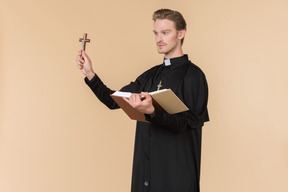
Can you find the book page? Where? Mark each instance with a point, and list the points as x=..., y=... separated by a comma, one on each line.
x=155, y=92
x=122, y=94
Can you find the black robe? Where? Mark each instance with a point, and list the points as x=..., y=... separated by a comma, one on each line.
x=167, y=151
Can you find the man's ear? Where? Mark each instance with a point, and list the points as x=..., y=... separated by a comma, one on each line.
x=181, y=34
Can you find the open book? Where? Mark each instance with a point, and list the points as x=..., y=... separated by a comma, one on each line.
x=164, y=99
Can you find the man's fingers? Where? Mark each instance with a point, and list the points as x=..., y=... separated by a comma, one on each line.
x=79, y=59
x=79, y=62
x=138, y=98
x=146, y=95
x=132, y=99
x=135, y=98
x=80, y=66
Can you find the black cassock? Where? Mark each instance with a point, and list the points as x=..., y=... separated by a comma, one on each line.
x=167, y=151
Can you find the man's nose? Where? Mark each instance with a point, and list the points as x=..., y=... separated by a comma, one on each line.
x=158, y=38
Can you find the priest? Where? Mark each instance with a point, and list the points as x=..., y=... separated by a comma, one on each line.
x=167, y=151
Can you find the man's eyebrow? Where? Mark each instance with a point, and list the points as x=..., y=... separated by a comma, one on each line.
x=165, y=30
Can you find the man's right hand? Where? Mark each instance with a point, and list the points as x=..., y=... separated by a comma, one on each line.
x=84, y=64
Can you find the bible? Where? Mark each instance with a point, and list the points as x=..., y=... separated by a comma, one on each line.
x=164, y=99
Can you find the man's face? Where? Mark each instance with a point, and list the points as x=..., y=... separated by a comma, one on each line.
x=167, y=38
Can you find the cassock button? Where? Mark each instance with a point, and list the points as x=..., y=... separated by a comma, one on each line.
x=146, y=183
x=147, y=157
x=150, y=134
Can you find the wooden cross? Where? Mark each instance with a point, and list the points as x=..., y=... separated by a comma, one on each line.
x=84, y=40
x=159, y=86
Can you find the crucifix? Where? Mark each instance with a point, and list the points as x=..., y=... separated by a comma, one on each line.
x=84, y=40
x=159, y=86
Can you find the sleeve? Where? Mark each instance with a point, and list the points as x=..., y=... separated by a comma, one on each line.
x=195, y=96
x=103, y=93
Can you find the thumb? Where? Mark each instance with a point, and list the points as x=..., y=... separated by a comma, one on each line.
x=83, y=54
x=145, y=93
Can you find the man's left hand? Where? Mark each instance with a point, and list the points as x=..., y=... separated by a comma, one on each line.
x=141, y=102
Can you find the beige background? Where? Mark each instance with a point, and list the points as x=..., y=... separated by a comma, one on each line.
x=56, y=136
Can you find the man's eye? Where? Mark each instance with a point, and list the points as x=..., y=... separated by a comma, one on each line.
x=165, y=33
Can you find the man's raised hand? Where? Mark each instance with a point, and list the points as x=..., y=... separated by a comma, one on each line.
x=84, y=64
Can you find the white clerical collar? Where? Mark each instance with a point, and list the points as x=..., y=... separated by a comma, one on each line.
x=167, y=62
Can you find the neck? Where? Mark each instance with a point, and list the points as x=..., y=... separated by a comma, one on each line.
x=174, y=53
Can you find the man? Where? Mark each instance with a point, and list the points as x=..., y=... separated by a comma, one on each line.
x=167, y=150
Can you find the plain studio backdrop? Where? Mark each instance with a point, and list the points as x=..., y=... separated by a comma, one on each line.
x=56, y=136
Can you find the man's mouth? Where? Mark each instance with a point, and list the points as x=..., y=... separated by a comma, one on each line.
x=160, y=45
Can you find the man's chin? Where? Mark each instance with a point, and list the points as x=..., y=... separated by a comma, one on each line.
x=161, y=51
